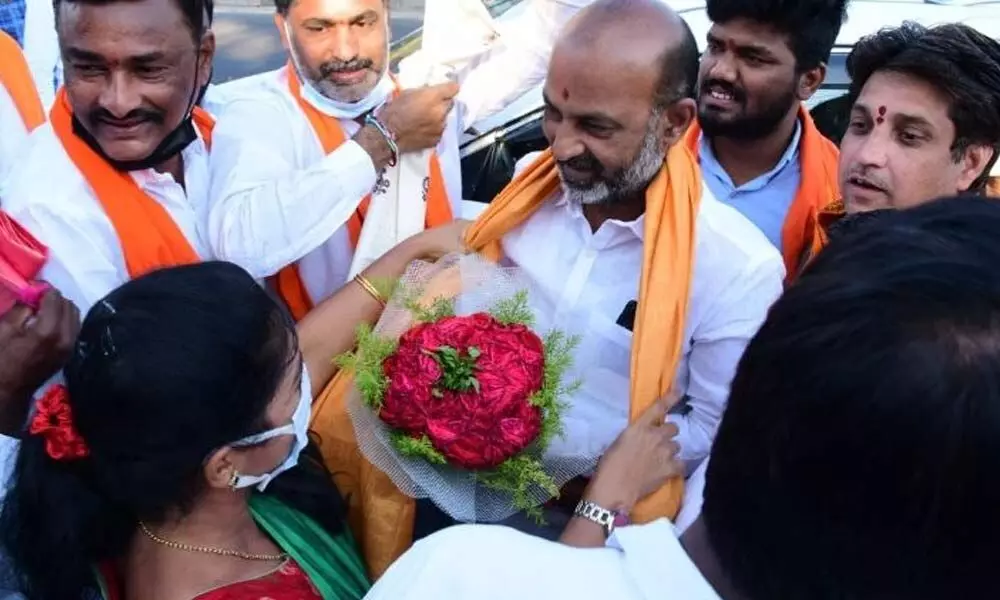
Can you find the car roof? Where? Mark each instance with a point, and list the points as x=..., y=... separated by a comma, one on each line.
x=864, y=17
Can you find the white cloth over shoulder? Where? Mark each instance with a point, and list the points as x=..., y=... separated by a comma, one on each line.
x=13, y=134
x=486, y=562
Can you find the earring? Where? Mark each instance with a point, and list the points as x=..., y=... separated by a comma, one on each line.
x=233, y=479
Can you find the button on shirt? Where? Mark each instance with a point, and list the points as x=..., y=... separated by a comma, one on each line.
x=583, y=282
x=763, y=200
x=486, y=562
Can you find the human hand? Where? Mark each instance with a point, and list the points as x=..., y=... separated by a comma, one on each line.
x=441, y=240
x=642, y=458
x=416, y=117
x=33, y=347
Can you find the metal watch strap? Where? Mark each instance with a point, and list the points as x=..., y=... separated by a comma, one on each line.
x=596, y=514
x=390, y=139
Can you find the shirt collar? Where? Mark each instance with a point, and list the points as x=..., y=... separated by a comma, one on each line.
x=711, y=163
x=636, y=228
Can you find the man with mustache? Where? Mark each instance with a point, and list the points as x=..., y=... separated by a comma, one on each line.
x=116, y=183
x=664, y=283
x=925, y=121
x=322, y=164
x=759, y=150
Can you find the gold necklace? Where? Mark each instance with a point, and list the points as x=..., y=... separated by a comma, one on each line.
x=209, y=549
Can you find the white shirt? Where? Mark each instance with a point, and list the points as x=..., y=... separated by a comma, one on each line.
x=278, y=199
x=484, y=562
x=47, y=195
x=41, y=48
x=13, y=134
x=694, y=498
x=583, y=282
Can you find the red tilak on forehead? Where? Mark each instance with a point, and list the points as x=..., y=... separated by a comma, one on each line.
x=565, y=94
x=881, y=115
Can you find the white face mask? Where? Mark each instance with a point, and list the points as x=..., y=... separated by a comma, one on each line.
x=299, y=427
x=335, y=108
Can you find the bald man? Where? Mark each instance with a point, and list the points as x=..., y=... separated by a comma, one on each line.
x=681, y=291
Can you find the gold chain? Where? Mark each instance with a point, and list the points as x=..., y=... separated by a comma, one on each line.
x=210, y=550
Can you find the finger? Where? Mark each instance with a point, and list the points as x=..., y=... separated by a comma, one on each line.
x=14, y=322
x=447, y=90
x=69, y=325
x=669, y=429
x=657, y=412
x=48, y=317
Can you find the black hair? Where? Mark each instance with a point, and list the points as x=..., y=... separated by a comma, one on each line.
x=811, y=26
x=167, y=369
x=282, y=6
x=960, y=62
x=858, y=455
x=195, y=12
x=679, y=70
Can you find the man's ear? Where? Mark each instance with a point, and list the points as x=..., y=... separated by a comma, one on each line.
x=809, y=82
x=677, y=118
x=206, y=56
x=279, y=22
x=975, y=160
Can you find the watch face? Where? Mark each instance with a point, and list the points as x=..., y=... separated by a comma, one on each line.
x=621, y=520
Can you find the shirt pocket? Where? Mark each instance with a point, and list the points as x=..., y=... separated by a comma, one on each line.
x=609, y=359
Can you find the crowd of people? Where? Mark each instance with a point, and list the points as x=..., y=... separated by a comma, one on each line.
x=786, y=359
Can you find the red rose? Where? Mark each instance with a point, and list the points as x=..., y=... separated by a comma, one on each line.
x=474, y=430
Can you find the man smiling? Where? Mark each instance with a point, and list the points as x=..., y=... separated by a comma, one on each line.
x=116, y=183
x=757, y=145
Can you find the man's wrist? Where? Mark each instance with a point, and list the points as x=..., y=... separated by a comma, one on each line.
x=376, y=145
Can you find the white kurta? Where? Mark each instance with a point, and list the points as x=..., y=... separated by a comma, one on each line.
x=641, y=562
x=48, y=196
x=278, y=199
x=584, y=281
x=13, y=135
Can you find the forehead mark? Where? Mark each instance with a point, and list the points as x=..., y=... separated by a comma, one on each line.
x=881, y=115
x=565, y=94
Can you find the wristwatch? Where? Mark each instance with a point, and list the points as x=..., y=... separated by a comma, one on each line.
x=609, y=520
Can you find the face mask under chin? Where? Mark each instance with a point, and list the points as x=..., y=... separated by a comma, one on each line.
x=173, y=144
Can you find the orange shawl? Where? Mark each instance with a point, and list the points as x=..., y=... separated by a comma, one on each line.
x=288, y=281
x=381, y=516
x=149, y=237
x=801, y=234
x=15, y=77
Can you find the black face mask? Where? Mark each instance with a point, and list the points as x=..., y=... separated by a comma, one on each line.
x=173, y=144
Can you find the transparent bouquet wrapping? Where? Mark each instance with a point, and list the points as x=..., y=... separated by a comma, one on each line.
x=475, y=285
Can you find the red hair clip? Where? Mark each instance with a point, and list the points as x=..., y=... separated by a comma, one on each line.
x=53, y=421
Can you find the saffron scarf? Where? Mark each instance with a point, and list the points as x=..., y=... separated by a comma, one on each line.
x=288, y=281
x=15, y=77
x=332, y=563
x=381, y=515
x=801, y=233
x=149, y=237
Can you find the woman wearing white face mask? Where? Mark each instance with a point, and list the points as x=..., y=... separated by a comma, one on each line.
x=155, y=472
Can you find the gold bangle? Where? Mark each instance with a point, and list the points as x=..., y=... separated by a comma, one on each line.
x=368, y=287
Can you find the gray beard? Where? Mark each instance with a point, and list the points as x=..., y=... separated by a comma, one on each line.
x=628, y=182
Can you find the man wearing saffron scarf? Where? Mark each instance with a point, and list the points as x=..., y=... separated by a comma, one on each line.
x=115, y=184
x=759, y=150
x=306, y=155
x=925, y=121
x=20, y=107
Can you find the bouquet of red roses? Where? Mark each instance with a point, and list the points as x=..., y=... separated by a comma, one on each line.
x=460, y=408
